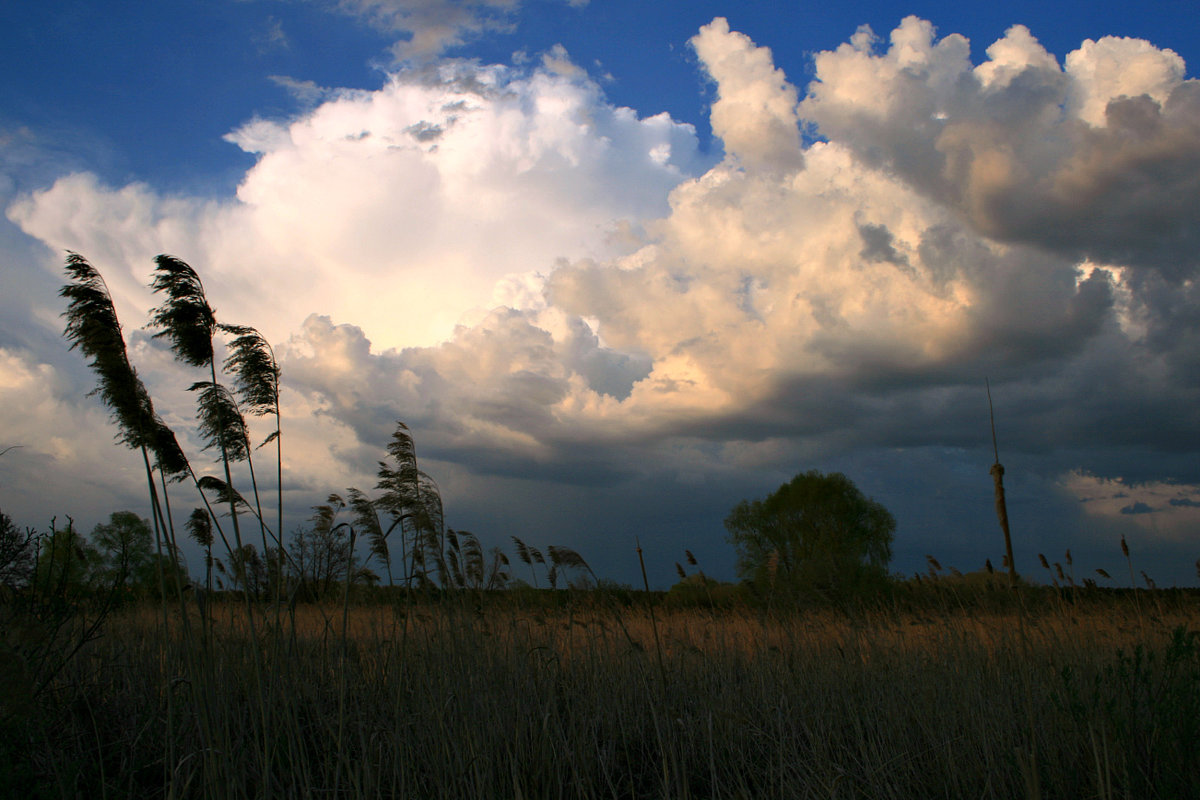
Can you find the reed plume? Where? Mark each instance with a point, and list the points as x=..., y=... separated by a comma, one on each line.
x=189, y=323
x=256, y=374
x=414, y=502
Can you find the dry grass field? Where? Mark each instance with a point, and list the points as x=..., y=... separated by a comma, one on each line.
x=583, y=695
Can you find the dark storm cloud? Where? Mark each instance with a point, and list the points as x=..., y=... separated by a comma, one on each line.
x=878, y=245
x=485, y=399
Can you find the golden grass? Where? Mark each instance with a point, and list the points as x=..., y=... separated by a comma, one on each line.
x=447, y=700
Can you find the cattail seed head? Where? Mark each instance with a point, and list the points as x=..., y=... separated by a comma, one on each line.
x=991, y=570
x=1124, y=547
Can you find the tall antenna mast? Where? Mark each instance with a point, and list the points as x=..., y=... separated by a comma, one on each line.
x=997, y=472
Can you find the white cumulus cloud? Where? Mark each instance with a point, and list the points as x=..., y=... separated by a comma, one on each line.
x=553, y=289
x=1101, y=161
x=400, y=208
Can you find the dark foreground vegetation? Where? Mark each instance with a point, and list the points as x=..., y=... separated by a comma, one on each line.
x=932, y=689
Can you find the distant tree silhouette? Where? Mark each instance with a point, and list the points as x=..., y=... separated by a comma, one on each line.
x=126, y=547
x=68, y=565
x=323, y=554
x=817, y=533
x=16, y=554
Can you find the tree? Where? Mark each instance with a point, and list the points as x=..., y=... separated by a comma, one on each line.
x=817, y=532
x=126, y=546
x=323, y=555
x=16, y=554
x=127, y=557
x=67, y=564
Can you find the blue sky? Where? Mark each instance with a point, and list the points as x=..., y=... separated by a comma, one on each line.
x=620, y=265
x=145, y=91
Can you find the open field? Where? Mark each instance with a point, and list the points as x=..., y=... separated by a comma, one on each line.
x=587, y=696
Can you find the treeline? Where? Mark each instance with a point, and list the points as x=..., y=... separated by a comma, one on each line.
x=61, y=569
x=117, y=562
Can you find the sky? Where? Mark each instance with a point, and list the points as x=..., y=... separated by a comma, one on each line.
x=620, y=265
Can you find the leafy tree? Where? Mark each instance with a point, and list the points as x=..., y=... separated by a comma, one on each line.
x=817, y=532
x=127, y=557
x=16, y=554
x=259, y=575
x=67, y=564
x=276, y=562
x=126, y=550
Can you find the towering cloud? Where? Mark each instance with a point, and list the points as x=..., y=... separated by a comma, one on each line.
x=816, y=293
x=554, y=289
x=755, y=111
x=1100, y=162
x=401, y=209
